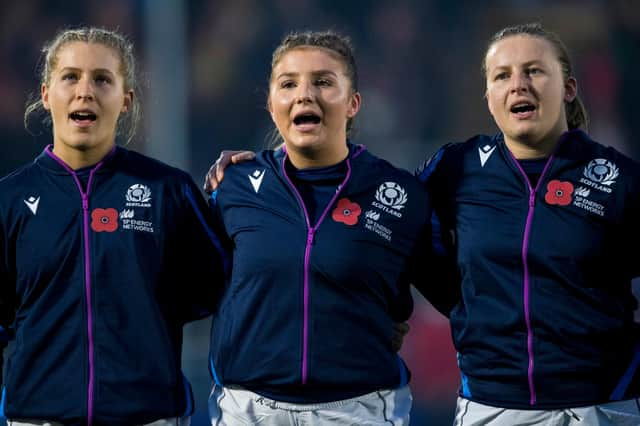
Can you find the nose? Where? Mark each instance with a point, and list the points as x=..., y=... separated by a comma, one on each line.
x=84, y=89
x=519, y=82
x=305, y=93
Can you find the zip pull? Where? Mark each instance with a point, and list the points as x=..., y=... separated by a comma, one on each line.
x=85, y=202
x=532, y=199
x=311, y=237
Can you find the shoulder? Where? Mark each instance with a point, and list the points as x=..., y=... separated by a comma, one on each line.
x=381, y=176
x=266, y=160
x=23, y=185
x=371, y=164
x=140, y=164
x=449, y=156
x=604, y=163
x=592, y=147
x=246, y=179
x=17, y=179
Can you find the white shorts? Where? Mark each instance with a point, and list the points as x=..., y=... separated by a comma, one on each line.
x=235, y=406
x=618, y=413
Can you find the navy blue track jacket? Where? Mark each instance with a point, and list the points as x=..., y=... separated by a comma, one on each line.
x=308, y=315
x=546, y=318
x=96, y=284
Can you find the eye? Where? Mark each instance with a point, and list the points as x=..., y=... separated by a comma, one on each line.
x=323, y=82
x=69, y=77
x=102, y=79
x=287, y=84
x=534, y=71
x=501, y=76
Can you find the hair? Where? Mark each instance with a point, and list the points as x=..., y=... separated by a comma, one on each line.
x=575, y=110
x=340, y=46
x=127, y=123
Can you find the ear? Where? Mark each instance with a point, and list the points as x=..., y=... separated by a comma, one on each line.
x=44, y=96
x=570, y=89
x=128, y=101
x=354, y=104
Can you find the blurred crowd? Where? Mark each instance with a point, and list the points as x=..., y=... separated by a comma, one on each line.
x=420, y=78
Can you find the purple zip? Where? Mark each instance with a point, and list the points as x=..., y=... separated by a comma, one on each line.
x=525, y=263
x=307, y=251
x=87, y=267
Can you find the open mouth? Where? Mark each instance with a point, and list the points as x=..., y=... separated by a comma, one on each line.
x=309, y=118
x=83, y=116
x=522, y=108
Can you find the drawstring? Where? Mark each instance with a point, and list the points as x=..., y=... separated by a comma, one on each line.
x=569, y=412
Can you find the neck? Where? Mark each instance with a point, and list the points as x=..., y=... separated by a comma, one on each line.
x=78, y=159
x=525, y=149
x=308, y=158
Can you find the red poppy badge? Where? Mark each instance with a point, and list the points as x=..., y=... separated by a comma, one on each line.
x=104, y=220
x=346, y=212
x=559, y=192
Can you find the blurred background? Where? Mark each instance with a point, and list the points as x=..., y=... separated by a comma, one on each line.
x=204, y=68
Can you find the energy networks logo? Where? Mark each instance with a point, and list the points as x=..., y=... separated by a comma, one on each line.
x=600, y=174
x=127, y=216
x=582, y=201
x=390, y=198
x=138, y=195
x=371, y=224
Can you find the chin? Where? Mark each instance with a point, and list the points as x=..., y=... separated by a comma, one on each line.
x=305, y=143
x=83, y=144
x=525, y=133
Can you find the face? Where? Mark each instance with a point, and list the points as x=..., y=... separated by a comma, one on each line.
x=526, y=91
x=85, y=96
x=310, y=100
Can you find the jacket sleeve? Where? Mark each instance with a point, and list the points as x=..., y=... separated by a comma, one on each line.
x=434, y=274
x=7, y=301
x=200, y=255
x=433, y=267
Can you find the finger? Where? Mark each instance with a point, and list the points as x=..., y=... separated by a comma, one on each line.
x=243, y=156
x=213, y=182
x=221, y=164
x=207, y=186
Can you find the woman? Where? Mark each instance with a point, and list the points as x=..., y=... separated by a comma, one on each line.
x=101, y=255
x=305, y=326
x=545, y=331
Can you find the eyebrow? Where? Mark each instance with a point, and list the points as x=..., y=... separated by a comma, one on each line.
x=314, y=73
x=93, y=71
x=525, y=64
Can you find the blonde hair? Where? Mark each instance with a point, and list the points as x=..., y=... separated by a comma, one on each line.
x=127, y=123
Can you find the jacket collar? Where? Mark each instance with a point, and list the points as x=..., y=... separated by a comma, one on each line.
x=354, y=151
x=51, y=162
x=570, y=143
